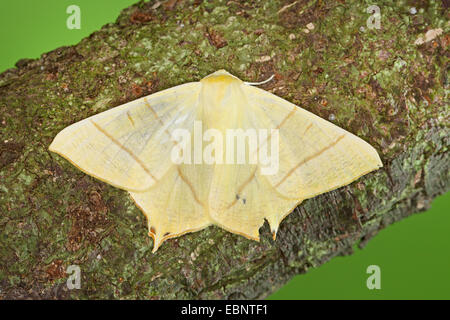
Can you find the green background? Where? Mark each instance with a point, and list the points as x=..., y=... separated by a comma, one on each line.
x=413, y=254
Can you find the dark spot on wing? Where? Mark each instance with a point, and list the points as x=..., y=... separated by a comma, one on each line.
x=243, y=199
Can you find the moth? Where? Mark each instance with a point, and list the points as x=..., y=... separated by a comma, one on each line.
x=165, y=150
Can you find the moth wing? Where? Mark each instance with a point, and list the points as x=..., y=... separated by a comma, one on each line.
x=128, y=146
x=174, y=206
x=239, y=196
x=314, y=156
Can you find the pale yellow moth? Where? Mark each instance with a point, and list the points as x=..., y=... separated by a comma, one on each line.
x=132, y=146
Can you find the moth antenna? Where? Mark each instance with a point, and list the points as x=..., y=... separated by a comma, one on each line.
x=260, y=83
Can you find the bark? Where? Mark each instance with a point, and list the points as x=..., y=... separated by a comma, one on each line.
x=375, y=83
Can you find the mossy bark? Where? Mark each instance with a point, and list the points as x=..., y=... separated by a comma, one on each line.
x=375, y=83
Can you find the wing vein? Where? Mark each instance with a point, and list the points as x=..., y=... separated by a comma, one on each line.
x=124, y=149
x=191, y=187
x=316, y=154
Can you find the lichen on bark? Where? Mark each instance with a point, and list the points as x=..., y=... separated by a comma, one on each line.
x=375, y=83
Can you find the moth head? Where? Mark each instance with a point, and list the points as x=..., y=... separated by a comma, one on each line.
x=220, y=77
